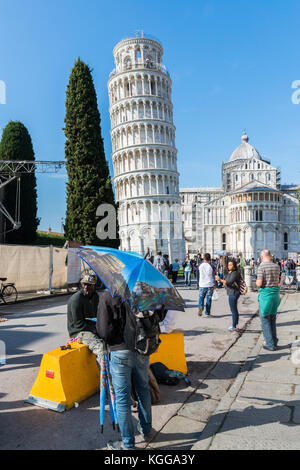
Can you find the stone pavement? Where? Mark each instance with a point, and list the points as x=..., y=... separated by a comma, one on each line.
x=39, y=326
x=261, y=410
x=215, y=357
x=225, y=406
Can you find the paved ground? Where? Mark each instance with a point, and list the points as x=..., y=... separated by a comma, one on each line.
x=216, y=362
x=262, y=408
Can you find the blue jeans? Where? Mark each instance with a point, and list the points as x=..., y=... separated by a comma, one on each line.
x=268, y=325
x=205, y=292
x=233, y=299
x=187, y=277
x=124, y=366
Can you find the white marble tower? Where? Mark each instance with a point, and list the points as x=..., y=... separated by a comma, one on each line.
x=144, y=155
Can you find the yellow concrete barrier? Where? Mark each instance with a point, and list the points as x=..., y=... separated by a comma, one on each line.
x=171, y=352
x=69, y=376
x=65, y=377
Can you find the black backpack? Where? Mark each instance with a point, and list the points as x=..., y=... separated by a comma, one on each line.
x=161, y=373
x=166, y=264
x=142, y=330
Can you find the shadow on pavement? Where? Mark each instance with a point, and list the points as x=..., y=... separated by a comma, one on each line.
x=33, y=306
x=16, y=340
x=254, y=416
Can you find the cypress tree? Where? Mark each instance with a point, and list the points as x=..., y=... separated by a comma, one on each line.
x=16, y=144
x=89, y=183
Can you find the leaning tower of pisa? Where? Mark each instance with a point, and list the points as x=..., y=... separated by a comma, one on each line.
x=144, y=155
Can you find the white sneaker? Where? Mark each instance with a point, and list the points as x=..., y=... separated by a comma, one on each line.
x=147, y=437
x=117, y=445
x=231, y=328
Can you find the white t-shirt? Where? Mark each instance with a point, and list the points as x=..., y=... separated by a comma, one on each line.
x=159, y=263
x=206, y=275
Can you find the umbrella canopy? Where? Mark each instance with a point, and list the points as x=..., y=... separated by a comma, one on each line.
x=132, y=277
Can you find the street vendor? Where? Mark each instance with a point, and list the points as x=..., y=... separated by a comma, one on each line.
x=82, y=306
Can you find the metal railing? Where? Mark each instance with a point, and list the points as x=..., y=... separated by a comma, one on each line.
x=140, y=34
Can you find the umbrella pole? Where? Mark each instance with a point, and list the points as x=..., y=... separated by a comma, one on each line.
x=102, y=395
x=111, y=410
x=111, y=390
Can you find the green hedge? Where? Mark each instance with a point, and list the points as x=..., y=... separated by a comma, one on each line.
x=46, y=239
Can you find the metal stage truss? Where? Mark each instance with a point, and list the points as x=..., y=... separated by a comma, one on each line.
x=10, y=171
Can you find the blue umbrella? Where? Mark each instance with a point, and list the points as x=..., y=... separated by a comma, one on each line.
x=111, y=409
x=103, y=385
x=106, y=388
x=131, y=277
x=112, y=395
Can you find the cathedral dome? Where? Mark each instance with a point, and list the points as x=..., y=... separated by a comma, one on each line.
x=245, y=150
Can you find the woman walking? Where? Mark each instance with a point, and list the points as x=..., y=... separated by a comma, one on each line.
x=232, y=283
x=188, y=266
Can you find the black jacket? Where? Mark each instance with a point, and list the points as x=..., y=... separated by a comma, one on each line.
x=111, y=321
x=116, y=323
x=81, y=307
x=232, y=283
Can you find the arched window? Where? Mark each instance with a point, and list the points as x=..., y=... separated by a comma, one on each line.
x=127, y=63
x=258, y=215
x=285, y=241
x=149, y=63
x=138, y=54
x=152, y=87
x=224, y=241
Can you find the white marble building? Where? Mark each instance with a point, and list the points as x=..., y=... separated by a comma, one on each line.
x=251, y=211
x=144, y=155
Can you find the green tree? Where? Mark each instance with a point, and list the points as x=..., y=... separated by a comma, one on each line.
x=16, y=144
x=89, y=182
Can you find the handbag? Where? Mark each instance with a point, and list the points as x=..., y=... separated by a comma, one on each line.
x=242, y=286
x=243, y=289
x=215, y=295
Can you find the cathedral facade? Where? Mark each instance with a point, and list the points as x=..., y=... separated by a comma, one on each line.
x=251, y=211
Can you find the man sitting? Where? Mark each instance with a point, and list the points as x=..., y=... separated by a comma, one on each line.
x=82, y=306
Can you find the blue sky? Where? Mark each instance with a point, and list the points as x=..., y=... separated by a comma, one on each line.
x=232, y=63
